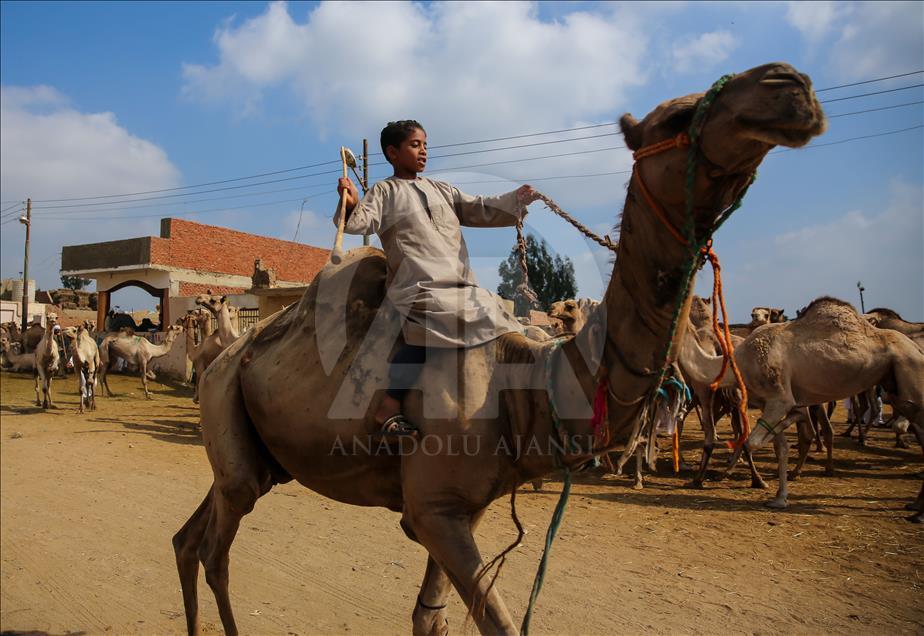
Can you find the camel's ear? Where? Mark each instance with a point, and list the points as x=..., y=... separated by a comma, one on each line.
x=708, y=301
x=224, y=299
x=630, y=131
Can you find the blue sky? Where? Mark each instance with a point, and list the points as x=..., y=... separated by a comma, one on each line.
x=112, y=98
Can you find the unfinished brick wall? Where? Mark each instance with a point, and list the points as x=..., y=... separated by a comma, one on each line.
x=209, y=248
x=194, y=289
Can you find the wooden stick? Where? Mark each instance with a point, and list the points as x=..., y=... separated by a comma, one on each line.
x=336, y=255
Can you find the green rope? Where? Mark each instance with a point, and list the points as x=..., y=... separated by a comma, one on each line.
x=689, y=269
x=549, y=538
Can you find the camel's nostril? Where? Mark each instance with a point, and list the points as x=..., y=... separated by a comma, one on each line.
x=780, y=77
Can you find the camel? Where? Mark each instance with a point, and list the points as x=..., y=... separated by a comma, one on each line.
x=32, y=336
x=47, y=359
x=17, y=361
x=133, y=349
x=889, y=319
x=827, y=354
x=86, y=360
x=207, y=350
x=295, y=396
x=225, y=315
x=764, y=316
x=572, y=314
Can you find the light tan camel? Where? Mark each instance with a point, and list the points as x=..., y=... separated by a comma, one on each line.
x=295, y=396
x=827, y=354
x=225, y=315
x=47, y=359
x=207, y=350
x=134, y=349
x=888, y=319
x=572, y=314
x=86, y=360
x=698, y=371
x=761, y=316
x=17, y=361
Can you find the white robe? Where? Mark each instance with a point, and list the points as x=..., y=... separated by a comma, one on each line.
x=430, y=280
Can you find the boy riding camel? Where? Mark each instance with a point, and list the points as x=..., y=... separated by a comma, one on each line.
x=429, y=278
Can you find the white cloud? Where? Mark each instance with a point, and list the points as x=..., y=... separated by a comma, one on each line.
x=880, y=248
x=469, y=68
x=815, y=19
x=703, y=51
x=861, y=40
x=49, y=150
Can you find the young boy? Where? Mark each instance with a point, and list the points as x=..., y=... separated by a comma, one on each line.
x=429, y=278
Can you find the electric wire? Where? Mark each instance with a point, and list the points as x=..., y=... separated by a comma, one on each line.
x=869, y=81
x=890, y=90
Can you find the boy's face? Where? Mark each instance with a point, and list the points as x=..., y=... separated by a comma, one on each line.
x=410, y=157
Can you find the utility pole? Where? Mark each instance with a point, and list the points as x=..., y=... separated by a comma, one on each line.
x=862, y=289
x=365, y=182
x=27, y=221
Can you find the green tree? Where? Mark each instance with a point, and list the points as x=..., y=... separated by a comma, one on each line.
x=551, y=277
x=75, y=283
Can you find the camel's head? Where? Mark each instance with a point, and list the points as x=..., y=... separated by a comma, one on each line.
x=210, y=301
x=70, y=332
x=172, y=332
x=89, y=325
x=760, y=316
x=565, y=311
x=701, y=312
x=756, y=110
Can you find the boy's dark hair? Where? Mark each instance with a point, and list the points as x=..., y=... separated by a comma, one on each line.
x=396, y=132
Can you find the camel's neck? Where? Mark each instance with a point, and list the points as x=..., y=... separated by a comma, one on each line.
x=700, y=366
x=225, y=326
x=190, y=339
x=162, y=349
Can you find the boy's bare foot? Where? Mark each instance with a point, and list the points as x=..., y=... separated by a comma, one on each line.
x=393, y=423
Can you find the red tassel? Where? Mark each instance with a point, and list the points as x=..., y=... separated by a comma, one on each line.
x=598, y=420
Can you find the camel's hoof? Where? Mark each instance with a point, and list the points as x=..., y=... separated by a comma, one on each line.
x=844, y=434
x=794, y=476
x=638, y=486
x=696, y=484
x=918, y=518
x=537, y=484
x=759, y=483
x=829, y=472
x=777, y=504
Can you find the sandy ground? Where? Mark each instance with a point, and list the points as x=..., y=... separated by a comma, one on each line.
x=89, y=504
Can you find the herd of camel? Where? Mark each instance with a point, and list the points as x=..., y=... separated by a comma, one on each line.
x=275, y=401
x=41, y=349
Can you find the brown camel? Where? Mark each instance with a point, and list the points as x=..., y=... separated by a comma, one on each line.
x=17, y=361
x=136, y=350
x=85, y=356
x=207, y=350
x=761, y=316
x=47, y=359
x=827, y=354
x=32, y=336
x=295, y=396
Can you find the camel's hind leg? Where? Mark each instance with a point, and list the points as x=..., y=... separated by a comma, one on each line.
x=241, y=477
x=186, y=544
x=429, y=615
x=806, y=437
x=449, y=540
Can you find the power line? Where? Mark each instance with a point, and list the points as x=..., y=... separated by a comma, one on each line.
x=843, y=141
x=870, y=81
x=891, y=90
x=456, y=144
x=11, y=207
x=873, y=110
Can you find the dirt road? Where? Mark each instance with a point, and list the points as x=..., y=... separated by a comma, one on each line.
x=89, y=504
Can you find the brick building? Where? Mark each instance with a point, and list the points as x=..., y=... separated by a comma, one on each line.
x=186, y=260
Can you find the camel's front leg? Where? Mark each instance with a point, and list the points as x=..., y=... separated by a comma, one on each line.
x=430, y=610
x=639, y=461
x=38, y=390
x=781, y=501
x=806, y=437
x=448, y=539
x=708, y=425
x=144, y=379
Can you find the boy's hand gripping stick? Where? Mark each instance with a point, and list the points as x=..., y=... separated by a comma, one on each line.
x=349, y=160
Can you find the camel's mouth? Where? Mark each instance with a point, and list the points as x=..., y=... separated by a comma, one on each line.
x=792, y=132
